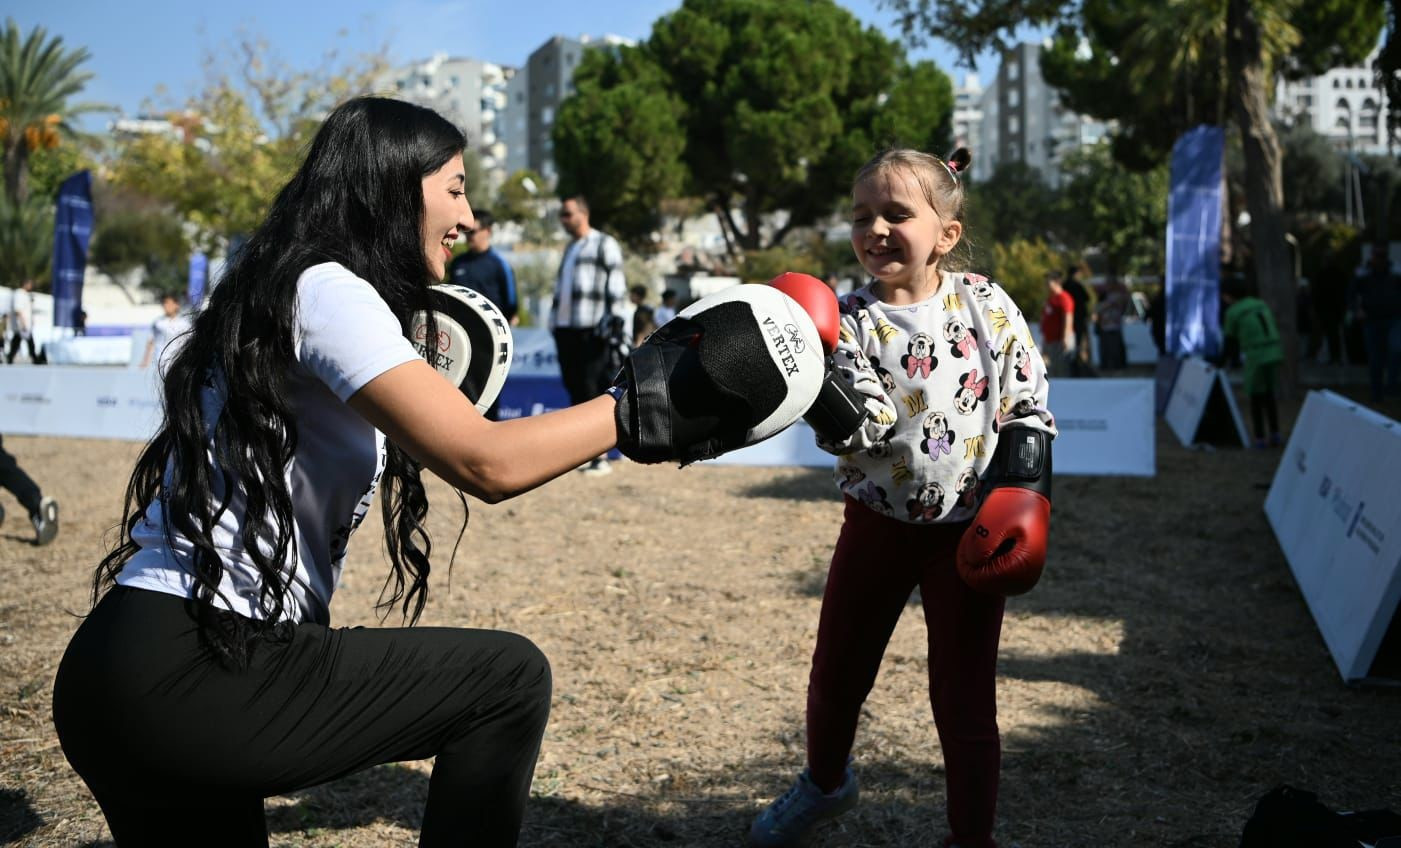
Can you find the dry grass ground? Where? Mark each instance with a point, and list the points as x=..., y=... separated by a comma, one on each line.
x=1163, y=676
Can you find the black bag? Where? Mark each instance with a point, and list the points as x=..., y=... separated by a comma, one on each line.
x=1292, y=818
x=611, y=330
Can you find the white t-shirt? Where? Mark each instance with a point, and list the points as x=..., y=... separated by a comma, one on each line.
x=345, y=336
x=167, y=329
x=566, y=290
x=21, y=313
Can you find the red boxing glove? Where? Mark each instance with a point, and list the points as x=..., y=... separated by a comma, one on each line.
x=1004, y=550
x=818, y=300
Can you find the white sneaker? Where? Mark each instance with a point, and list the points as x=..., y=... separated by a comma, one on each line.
x=597, y=468
x=45, y=521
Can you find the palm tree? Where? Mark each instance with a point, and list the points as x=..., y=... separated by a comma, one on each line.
x=26, y=238
x=37, y=77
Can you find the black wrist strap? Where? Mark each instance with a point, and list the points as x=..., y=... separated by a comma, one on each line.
x=1022, y=459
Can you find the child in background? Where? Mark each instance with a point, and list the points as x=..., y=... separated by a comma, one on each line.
x=1250, y=332
x=947, y=368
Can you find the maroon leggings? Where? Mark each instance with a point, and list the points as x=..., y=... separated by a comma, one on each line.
x=877, y=564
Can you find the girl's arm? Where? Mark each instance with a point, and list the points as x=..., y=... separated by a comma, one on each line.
x=1022, y=385
x=435, y=424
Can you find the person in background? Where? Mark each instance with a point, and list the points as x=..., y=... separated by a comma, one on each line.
x=482, y=269
x=22, y=321
x=1058, y=326
x=1157, y=317
x=167, y=332
x=1376, y=303
x=667, y=310
x=1081, y=361
x=43, y=511
x=644, y=324
x=589, y=286
x=1250, y=334
x=1109, y=324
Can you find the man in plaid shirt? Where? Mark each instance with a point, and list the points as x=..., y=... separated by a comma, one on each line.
x=590, y=285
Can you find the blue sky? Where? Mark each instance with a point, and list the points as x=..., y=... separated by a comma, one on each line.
x=142, y=47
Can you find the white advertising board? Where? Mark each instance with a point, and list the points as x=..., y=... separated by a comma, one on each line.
x=1202, y=408
x=1106, y=428
x=88, y=402
x=1333, y=507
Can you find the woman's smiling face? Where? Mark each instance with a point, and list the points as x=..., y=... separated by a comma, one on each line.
x=446, y=214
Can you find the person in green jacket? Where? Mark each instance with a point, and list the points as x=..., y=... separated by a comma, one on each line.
x=1251, y=333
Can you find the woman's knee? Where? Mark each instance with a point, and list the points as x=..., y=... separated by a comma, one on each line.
x=527, y=670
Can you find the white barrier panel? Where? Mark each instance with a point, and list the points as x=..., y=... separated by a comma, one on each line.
x=88, y=402
x=1106, y=428
x=1202, y=407
x=1334, y=510
x=96, y=350
x=1138, y=343
x=534, y=354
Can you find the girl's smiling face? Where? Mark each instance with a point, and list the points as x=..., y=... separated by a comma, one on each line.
x=446, y=214
x=897, y=235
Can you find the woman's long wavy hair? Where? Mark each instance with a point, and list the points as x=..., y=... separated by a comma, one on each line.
x=357, y=200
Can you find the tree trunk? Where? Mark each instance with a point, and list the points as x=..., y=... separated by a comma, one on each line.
x=17, y=169
x=1264, y=191
x=727, y=228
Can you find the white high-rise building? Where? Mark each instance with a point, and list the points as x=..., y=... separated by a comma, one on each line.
x=987, y=156
x=968, y=114
x=515, y=121
x=1344, y=105
x=550, y=71
x=1024, y=120
x=469, y=92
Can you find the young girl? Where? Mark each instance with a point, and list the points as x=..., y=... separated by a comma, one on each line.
x=207, y=676
x=945, y=363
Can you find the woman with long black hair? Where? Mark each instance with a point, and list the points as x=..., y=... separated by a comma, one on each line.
x=208, y=677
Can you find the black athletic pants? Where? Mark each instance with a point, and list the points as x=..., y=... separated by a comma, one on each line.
x=14, y=348
x=583, y=363
x=12, y=477
x=179, y=750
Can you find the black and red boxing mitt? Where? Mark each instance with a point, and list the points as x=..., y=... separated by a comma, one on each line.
x=1003, y=551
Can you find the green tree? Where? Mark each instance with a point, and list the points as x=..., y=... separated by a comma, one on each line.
x=618, y=142
x=238, y=142
x=151, y=239
x=38, y=76
x=1120, y=213
x=780, y=102
x=1312, y=173
x=1020, y=267
x=1157, y=68
x=26, y=239
x=50, y=166
x=1014, y=203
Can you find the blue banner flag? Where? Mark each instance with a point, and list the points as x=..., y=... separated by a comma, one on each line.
x=1194, y=243
x=199, y=273
x=72, y=231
